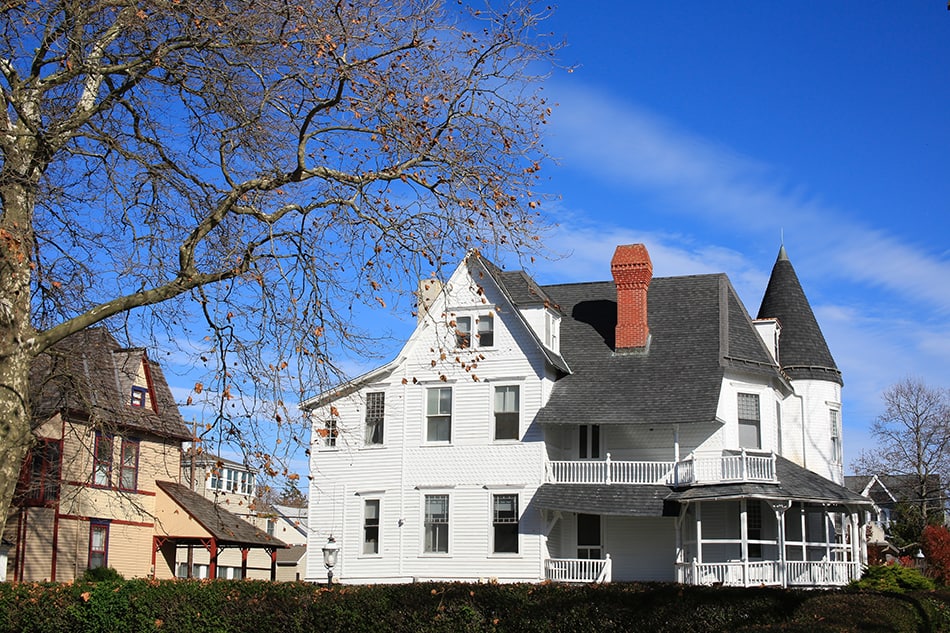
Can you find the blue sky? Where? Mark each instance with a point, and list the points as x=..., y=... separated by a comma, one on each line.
x=710, y=131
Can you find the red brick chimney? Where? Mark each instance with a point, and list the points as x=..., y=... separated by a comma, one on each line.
x=632, y=271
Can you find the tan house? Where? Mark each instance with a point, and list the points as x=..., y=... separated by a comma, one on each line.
x=100, y=487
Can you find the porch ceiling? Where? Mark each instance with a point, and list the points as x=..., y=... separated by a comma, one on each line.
x=614, y=499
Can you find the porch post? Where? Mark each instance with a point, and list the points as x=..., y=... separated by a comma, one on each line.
x=699, y=532
x=779, y=509
x=744, y=535
x=855, y=544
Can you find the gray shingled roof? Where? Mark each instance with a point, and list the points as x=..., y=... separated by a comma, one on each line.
x=795, y=484
x=615, y=499
x=803, y=352
x=698, y=328
x=90, y=374
x=227, y=528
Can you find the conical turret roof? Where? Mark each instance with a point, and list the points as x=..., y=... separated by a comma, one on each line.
x=803, y=352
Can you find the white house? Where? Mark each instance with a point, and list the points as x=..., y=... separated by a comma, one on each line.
x=637, y=429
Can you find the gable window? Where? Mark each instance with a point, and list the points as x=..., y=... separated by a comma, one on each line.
x=129, y=466
x=98, y=544
x=507, y=416
x=375, y=407
x=835, y=421
x=371, y=526
x=138, y=396
x=330, y=432
x=750, y=429
x=437, y=524
x=439, y=414
x=505, y=523
x=39, y=479
x=486, y=330
x=588, y=441
x=102, y=460
x=463, y=332
x=588, y=537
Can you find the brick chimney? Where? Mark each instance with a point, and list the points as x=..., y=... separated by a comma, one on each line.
x=632, y=271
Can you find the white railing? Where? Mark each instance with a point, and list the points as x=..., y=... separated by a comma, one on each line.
x=749, y=574
x=691, y=471
x=578, y=570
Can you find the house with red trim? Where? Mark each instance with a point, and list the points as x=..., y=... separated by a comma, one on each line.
x=101, y=484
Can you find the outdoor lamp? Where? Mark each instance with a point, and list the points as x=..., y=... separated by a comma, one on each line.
x=330, y=551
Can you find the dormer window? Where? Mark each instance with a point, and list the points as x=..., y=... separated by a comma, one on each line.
x=484, y=331
x=463, y=332
x=138, y=396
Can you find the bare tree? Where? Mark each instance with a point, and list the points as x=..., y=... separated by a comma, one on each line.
x=244, y=174
x=913, y=448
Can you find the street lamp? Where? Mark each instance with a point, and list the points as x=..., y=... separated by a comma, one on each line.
x=330, y=550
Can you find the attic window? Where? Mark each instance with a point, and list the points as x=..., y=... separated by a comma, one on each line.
x=138, y=396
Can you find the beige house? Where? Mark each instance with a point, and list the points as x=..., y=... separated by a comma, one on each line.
x=100, y=487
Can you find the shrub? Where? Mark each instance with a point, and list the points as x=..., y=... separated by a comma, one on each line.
x=102, y=574
x=893, y=578
x=935, y=543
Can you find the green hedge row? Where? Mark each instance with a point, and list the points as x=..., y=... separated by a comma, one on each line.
x=262, y=607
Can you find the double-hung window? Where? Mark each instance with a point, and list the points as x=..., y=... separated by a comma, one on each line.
x=330, y=432
x=507, y=412
x=129, y=467
x=247, y=483
x=98, y=544
x=375, y=408
x=436, y=524
x=505, y=523
x=439, y=414
x=463, y=332
x=835, y=420
x=102, y=460
x=232, y=476
x=750, y=428
x=486, y=330
x=371, y=526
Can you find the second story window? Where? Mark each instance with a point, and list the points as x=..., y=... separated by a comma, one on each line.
x=486, y=330
x=439, y=414
x=129, y=467
x=750, y=429
x=247, y=483
x=375, y=407
x=463, y=332
x=835, y=421
x=39, y=479
x=232, y=479
x=102, y=460
x=507, y=416
x=330, y=432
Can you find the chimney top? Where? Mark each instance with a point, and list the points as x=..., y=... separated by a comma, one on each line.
x=632, y=271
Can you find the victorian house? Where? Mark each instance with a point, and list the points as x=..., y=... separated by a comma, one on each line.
x=635, y=429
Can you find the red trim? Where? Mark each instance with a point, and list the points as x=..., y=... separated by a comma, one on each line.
x=86, y=484
x=148, y=381
x=52, y=576
x=74, y=517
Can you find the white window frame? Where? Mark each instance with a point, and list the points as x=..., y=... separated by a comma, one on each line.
x=834, y=418
x=504, y=412
x=497, y=521
x=742, y=422
x=375, y=426
x=484, y=322
x=331, y=432
x=439, y=415
x=447, y=522
x=368, y=526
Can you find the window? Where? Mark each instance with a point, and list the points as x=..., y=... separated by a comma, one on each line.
x=754, y=527
x=216, y=481
x=375, y=407
x=232, y=478
x=437, y=524
x=439, y=414
x=507, y=416
x=505, y=523
x=247, y=483
x=129, y=466
x=588, y=537
x=98, y=544
x=138, y=396
x=330, y=432
x=835, y=435
x=463, y=332
x=271, y=526
x=588, y=443
x=39, y=479
x=102, y=461
x=486, y=330
x=749, y=421
x=371, y=527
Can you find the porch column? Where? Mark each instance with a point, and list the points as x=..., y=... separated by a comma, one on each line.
x=699, y=532
x=744, y=535
x=244, y=552
x=855, y=543
x=779, y=509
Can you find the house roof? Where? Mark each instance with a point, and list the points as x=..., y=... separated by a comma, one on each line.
x=91, y=374
x=891, y=488
x=226, y=527
x=698, y=330
x=291, y=555
x=616, y=500
x=795, y=484
x=803, y=352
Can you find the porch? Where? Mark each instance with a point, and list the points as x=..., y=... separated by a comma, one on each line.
x=756, y=573
x=733, y=467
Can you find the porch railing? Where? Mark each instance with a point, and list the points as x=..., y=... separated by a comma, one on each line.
x=578, y=570
x=744, y=466
x=740, y=574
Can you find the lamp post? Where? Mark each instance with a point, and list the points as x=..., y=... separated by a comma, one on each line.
x=330, y=550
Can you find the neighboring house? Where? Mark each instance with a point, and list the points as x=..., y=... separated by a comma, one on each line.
x=100, y=487
x=639, y=429
x=233, y=486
